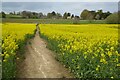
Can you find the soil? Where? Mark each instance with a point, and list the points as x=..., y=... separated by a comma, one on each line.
x=40, y=62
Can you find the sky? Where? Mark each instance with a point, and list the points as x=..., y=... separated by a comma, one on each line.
x=60, y=7
x=61, y=0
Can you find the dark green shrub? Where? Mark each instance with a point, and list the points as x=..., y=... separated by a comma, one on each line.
x=113, y=19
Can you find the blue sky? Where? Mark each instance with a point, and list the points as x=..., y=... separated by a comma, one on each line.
x=61, y=7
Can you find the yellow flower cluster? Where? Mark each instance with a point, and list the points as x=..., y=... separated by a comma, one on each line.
x=89, y=50
x=12, y=33
x=13, y=37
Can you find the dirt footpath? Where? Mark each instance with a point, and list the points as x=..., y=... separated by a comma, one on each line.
x=40, y=62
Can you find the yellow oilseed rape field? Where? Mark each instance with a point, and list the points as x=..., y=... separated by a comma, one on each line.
x=14, y=37
x=88, y=50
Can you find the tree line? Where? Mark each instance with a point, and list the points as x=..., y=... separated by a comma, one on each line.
x=94, y=15
x=85, y=15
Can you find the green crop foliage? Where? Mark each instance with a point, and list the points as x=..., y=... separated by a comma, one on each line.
x=88, y=50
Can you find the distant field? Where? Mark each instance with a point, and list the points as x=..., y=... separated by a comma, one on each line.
x=53, y=21
x=13, y=16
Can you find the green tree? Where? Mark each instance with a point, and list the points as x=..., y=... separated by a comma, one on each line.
x=92, y=15
x=58, y=15
x=84, y=14
x=105, y=15
x=49, y=15
x=40, y=15
x=72, y=16
x=65, y=15
x=100, y=13
x=34, y=15
x=3, y=15
x=53, y=13
x=113, y=18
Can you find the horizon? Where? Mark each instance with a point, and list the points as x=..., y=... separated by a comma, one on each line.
x=59, y=7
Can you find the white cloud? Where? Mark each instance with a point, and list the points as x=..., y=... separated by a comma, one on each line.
x=61, y=1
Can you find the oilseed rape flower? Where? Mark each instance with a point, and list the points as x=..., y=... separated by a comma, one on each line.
x=93, y=49
x=13, y=37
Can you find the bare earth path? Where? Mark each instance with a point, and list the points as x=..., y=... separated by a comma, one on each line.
x=40, y=62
